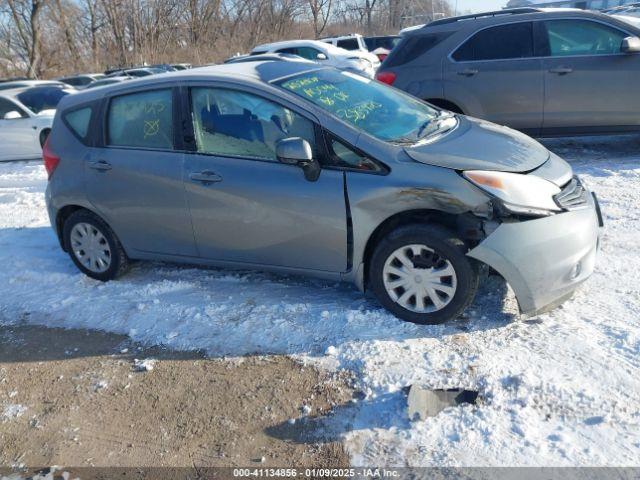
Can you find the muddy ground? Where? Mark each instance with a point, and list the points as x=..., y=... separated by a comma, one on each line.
x=75, y=398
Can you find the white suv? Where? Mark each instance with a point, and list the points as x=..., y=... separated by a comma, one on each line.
x=356, y=61
x=352, y=42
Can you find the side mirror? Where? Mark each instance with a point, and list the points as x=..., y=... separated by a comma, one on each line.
x=297, y=151
x=12, y=115
x=630, y=45
x=321, y=56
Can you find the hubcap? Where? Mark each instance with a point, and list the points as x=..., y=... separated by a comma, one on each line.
x=419, y=279
x=90, y=247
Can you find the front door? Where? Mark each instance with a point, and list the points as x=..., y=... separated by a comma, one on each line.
x=135, y=182
x=495, y=76
x=247, y=207
x=18, y=136
x=589, y=82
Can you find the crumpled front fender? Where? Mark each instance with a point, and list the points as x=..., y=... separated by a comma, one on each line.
x=544, y=259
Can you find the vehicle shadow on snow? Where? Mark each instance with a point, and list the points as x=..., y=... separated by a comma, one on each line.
x=23, y=342
x=383, y=412
x=582, y=151
x=220, y=312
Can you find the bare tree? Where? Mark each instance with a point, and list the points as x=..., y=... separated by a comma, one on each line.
x=320, y=14
x=26, y=15
x=56, y=37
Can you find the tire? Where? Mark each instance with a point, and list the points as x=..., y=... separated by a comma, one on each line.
x=79, y=231
x=440, y=252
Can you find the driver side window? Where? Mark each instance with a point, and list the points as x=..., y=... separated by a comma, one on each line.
x=309, y=53
x=582, y=37
x=7, y=106
x=239, y=124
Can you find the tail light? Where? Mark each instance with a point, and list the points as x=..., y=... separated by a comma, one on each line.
x=51, y=161
x=386, y=77
x=382, y=56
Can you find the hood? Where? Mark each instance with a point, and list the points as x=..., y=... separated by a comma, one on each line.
x=480, y=145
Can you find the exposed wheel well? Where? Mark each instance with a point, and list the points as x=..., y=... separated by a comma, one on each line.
x=43, y=136
x=446, y=104
x=62, y=216
x=449, y=220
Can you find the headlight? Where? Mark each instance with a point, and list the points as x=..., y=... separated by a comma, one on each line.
x=520, y=194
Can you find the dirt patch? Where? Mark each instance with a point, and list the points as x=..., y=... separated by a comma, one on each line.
x=75, y=398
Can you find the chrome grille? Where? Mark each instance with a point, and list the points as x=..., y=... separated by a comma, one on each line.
x=573, y=195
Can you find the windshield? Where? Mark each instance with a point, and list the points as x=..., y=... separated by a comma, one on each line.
x=380, y=111
x=42, y=98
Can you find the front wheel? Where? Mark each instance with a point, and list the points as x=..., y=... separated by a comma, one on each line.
x=421, y=274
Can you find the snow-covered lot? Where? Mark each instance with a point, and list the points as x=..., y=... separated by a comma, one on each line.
x=559, y=389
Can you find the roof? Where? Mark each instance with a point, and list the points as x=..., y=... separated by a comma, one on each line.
x=14, y=92
x=32, y=82
x=258, y=72
x=503, y=16
x=292, y=43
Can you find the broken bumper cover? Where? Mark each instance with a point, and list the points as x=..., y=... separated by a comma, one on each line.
x=544, y=259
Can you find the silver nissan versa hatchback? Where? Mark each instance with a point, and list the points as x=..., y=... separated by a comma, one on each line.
x=295, y=168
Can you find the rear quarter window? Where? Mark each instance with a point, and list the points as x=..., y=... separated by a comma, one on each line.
x=413, y=47
x=78, y=121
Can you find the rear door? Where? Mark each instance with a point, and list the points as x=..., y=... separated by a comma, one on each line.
x=134, y=179
x=18, y=136
x=247, y=207
x=590, y=84
x=494, y=75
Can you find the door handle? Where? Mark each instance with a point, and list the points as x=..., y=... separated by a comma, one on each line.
x=205, y=177
x=469, y=72
x=561, y=70
x=100, y=165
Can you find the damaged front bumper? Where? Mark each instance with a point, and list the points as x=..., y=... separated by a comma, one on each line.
x=545, y=259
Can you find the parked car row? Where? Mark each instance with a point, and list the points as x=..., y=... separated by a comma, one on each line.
x=92, y=80
x=357, y=61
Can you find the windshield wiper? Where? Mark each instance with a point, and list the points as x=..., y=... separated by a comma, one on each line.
x=442, y=116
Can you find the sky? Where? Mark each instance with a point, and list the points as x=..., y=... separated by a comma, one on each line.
x=478, y=5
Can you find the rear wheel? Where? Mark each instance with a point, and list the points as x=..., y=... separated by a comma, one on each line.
x=421, y=274
x=93, y=246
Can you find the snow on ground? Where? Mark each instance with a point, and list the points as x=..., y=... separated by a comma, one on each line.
x=559, y=389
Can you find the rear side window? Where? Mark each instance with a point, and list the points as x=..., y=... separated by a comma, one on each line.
x=39, y=99
x=142, y=120
x=288, y=51
x=412, y=47
x=582, y=37
x=308, y=53
x=498, y=43
x=7, y=106
x=78, y=121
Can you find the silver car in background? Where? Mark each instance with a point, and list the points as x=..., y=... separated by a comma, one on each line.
x=546, y=72
x=299, y=169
